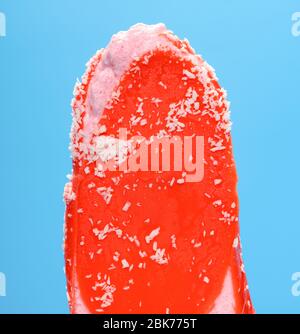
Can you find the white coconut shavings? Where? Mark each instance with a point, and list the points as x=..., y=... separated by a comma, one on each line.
x=180, y=181
x=217, y=181
x=152, y=235
x=69, y=194
x=142, y=254
x=173, y=241
x=107, y=297
x=179, y=110
x=156, y=101
x=206, y=279
x=235, y=242
x=106, y=193
x=227, y=217
x=216, y=145
x=91, y=185
x=108, y=148
x=189, y=74
x=125, y=264
x=159, y=256
x=162, y=85
x=102, y=234
x=116, y=256
x=126, y=206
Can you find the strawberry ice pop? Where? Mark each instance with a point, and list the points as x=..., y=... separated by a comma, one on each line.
x=144, y=233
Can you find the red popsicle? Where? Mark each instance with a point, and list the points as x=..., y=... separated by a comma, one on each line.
x=144, y=234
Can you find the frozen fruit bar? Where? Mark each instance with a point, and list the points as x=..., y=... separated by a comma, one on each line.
x=152, y=207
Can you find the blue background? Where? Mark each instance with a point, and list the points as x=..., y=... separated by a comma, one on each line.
x=250, y=45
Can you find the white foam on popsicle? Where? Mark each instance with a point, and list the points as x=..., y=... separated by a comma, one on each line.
x=124, y=48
